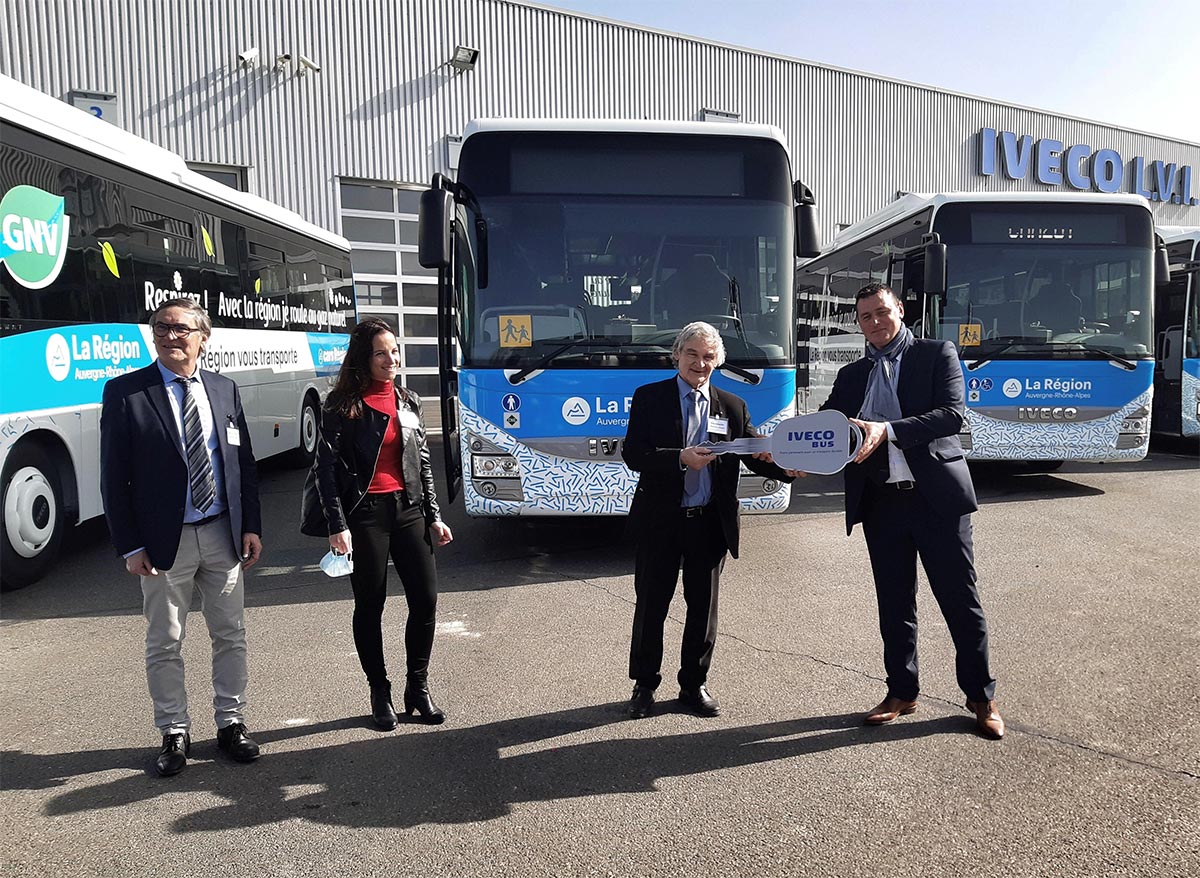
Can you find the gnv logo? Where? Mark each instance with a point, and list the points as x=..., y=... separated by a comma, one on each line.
x=576, y=411
x=34, y=228
x=1012, y=388
x=58, y=357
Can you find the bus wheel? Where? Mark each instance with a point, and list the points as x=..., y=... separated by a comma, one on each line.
x=31, y=528
x=310, y=423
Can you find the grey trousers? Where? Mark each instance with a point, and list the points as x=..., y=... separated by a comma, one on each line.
x=206, y=561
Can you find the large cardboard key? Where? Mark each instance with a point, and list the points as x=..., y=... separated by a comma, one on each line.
x=821, y=443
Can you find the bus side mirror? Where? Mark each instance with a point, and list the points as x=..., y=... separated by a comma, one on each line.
x=433, y=228
x=808, y=242
x=1162, y=266
x=935, y=265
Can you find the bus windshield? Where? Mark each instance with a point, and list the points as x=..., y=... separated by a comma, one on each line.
x=1042, y=281
x=597, y=257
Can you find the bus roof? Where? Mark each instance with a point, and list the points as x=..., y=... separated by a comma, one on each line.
x=910, y=203
x=43, y=114
x=627, y=126
x=1171, y=234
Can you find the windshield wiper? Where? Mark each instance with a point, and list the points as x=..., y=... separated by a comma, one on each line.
x=545, y=360
x=1007, y=343
x=749, y=376
x=1128, y=365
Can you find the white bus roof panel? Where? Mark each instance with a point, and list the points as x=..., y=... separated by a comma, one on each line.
x=627, y=126
x=46, y=115
x=1172, y=234
x=914, y=202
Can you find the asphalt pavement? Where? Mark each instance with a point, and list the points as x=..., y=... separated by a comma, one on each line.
x=1088, y=575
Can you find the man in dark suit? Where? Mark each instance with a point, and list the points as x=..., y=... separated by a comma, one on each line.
x=910, y=488
x=684, y=512
x=180, y=491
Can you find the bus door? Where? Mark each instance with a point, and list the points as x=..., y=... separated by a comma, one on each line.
x=1171, y=308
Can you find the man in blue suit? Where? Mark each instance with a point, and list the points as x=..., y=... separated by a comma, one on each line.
x=180, y=491
x=684, y=512
x=910, y=488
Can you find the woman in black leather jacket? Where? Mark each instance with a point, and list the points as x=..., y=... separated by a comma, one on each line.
x=374, y=491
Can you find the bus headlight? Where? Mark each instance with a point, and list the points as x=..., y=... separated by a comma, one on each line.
x=1136, y=422
x=770, y=486
x=495, y=466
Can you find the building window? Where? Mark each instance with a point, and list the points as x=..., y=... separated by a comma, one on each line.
x=232, y=176
x=380, y=221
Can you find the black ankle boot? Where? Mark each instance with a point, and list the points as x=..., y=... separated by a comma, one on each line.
x=382, y=712
x=416, y=698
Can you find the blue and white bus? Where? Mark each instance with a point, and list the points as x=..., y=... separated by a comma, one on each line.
x=97, y=228
x=570, y=255
x=1048, y=297
x=1177, y=338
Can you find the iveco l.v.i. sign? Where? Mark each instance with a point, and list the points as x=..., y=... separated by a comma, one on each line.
x=1053, y=163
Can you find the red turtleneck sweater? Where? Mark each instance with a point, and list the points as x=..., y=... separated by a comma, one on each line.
x=389, y=476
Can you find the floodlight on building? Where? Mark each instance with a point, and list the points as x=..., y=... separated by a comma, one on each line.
x=464, y=58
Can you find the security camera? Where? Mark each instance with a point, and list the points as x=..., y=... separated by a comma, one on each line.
x=309, y=64
x=248, y=57
x=282, y=61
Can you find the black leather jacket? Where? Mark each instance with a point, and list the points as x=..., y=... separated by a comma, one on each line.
x=347, y=452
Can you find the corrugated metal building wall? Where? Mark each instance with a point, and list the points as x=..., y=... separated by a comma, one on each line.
x=386, y=98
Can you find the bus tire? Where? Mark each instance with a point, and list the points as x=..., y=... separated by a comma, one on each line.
x=32, y=518
x=310, y=425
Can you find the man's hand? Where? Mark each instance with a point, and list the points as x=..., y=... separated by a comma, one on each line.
x=874, y=435
x=139, y=564
x=696, y=457
x=251, y=550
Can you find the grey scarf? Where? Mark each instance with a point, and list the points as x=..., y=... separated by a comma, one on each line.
x=880, y=402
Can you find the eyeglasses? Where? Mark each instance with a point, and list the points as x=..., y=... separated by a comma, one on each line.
x=163, y=330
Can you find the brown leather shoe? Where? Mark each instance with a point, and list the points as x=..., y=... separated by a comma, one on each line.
x=988, y=721
x=888, y=709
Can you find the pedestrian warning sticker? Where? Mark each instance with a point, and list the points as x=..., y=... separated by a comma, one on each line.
x=516, y=331
x=970, y=335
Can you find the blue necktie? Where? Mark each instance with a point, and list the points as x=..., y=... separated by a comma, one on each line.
x=691, y=479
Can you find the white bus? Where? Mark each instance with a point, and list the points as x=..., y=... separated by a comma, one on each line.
x=571, y=253
x=1177, y=337
x=1048, y=298
x=97, y=227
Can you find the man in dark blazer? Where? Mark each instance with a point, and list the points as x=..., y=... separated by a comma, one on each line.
x=180, y=491
x=910, y=488
x=684, y=512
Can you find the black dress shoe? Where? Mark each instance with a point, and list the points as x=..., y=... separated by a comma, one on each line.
x=174, y=753
x=417, y=698
x=383, y=714
x=234, y=741
x=641, y=704
x=701, y=703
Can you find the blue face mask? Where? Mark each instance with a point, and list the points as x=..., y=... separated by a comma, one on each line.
x=335, y=564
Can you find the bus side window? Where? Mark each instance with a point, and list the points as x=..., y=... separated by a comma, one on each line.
x=219, y=274
x=266, y=284
x=162, y=237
